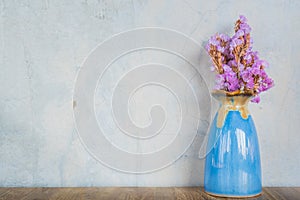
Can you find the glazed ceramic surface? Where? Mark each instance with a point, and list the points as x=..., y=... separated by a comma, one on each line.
x=232, y=165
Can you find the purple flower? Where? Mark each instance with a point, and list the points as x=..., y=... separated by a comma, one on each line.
x=239, y=34
x=234, y=43
x=243, y=19
x=221, y=49
x=232, y=63
x=227, y=69
x=246, y=75
x=219, y=41
x=224, y=37
x=251, y=56
x=241, y=68
x=256, y=71
x=245, y=28
x=220, y=80
x=264, y=63
x=213, y=41
x=233, y=84
x=250, y=83
x=248, y=57
x=266, y=84
x=207, y=47
x=256, y=99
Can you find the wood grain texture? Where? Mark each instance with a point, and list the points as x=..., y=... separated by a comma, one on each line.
x=134, y=193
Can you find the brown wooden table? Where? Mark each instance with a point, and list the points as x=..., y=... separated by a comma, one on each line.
x=184, y=193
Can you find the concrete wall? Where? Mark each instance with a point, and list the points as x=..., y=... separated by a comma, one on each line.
x=44, y=43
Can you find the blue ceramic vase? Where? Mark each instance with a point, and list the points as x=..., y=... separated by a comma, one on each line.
x=232, y=166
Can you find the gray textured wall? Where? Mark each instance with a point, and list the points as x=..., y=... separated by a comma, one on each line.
x=43, y=44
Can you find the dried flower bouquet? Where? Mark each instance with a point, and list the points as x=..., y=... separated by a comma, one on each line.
x=239, y=69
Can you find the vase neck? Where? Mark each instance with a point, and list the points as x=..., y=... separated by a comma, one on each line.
x=231, y=102
x=234, y=101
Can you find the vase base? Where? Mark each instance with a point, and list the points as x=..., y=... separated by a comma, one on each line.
x=232, y=196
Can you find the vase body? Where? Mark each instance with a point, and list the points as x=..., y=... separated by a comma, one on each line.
x=232, y=166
